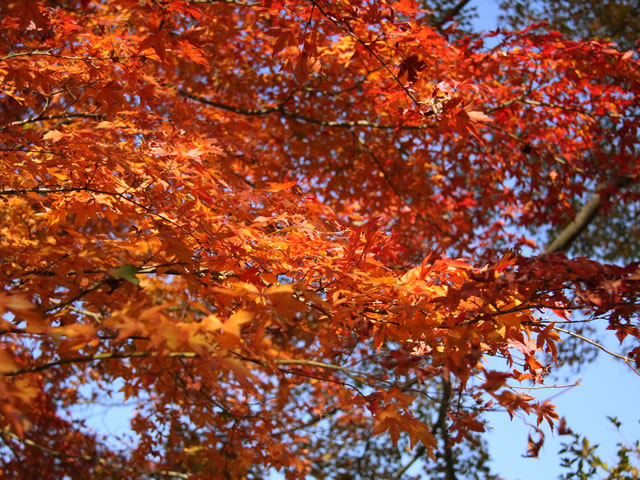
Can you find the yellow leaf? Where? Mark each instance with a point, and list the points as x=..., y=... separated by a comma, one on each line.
x=75, y=330
x=212, y=323
x=235, y=322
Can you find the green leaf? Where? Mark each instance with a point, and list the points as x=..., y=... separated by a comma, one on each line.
x=126, y=272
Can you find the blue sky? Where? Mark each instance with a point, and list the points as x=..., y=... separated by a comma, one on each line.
x=607, y=388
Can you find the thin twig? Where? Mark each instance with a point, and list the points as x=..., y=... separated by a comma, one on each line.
x=229, y=2
x=95, y=358
x=393, y=186
x=451, y=14
x=626, y=360
x=65, y=116
x=332, y=18
x=47, y=53
x=88, y=458
x=280, y=110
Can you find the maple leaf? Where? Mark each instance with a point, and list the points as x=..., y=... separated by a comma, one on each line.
x=495, y=380
x=53, y=135
x=194, y=53
x=546, y=411
x=127, y=273
x=29, y=12
x=475, y=116
x=534, y=446
x=412, y=66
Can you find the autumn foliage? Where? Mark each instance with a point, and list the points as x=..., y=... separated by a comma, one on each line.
x=249, y=218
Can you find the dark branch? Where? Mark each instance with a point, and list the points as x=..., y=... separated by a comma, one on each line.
x=94, y=358
x=564, y=240
x=451, y=14
x=280, y=110
x=87, y=458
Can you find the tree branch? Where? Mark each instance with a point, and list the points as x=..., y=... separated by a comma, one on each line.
x=95, y=358
x=444, y=406
x=568, y=235
x=451, y=13
x=353, y=374
x=440, y=424
x=47, y=53
x=280, y=110
x=627, y=360
x=87, y=458
x=230, y=2
x=64, y=116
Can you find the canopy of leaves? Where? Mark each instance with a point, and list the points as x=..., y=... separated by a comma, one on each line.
x=259, y=220
x=613, y=233
x=607, y=227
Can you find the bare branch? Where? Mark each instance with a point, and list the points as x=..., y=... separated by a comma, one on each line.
x=564, y=240
x=229, y=2
x=95, y=358
x=88, y=458
x=451, y=14
x=627, y=360
x=281, y=110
